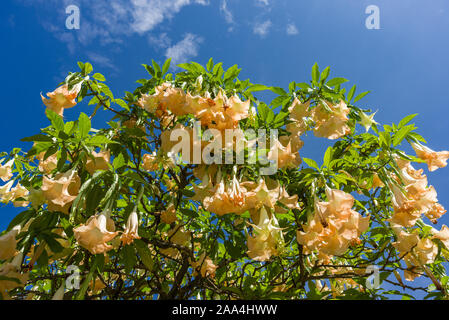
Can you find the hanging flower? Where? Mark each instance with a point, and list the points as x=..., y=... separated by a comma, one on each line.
x=20, y=192
x=367, y=120
x=285, y=155
x=61, y=99
x=5, y=192
x=8, y=243
x=62, y=190
x=95, y=234
x=205, y=265
x=47, y=165
x=100, y=161
x=334, y=225
x=131, y=230
x=169, y=216
x=6, y=170
x=298, y=114
x=331, y=120
x=434, y=159
x=12, y=270
x=267, y=240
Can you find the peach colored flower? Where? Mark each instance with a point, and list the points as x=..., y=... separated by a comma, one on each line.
x=95, y=234
x=8, y=243
x=434, y=159
x=179, y=236
x=6, y=170
x=205, y=265
x=260, y=194
x=298, y=113
x=61, y=191
x=5, y=192
x=284, y=154
x=61, y=99
x=20, y=192
x=12, y=270
x=334, y=225
x=169, y=216
x=443, y=235
x=47, y=165
x=267, y=239
x=331, y=120
x=225, y=197
x=100, y=161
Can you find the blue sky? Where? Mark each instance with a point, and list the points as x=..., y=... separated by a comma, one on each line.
x=405, y=63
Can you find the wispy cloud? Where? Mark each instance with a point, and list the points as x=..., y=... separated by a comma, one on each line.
x=108, y=21
x=262, y=28
x=262, y=2
x=185, y=49
x=101, y=60
x=228, y=16
x=292, y=29
x=162, y=41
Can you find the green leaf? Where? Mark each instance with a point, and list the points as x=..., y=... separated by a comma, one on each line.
x=361, y=96
x=315, y=73
x=327, y=156
x=311, y=163
x=145, y=254
x=351, y=93
x=256, y=87
x=166, y=66
x=84, y=125
x=88, y=68
x=325, y=74
x=37, y=137
x=336, y=81
x=119, y=161
x=55, y=119
x=210, y=64
x=99, y=77
x=407, y=119
x=401, y=134
x=129, y=258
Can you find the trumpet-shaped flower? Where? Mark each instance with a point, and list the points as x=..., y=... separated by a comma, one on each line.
x=334, y=225
x=61, y=99
x=95, y=234
x=61, y=191
x=100, y=161
x=298, y=114
x=8, y=243
x=12, y=270
x=267, y=240
x=168, y=216
x=205, y=265
x=331, y=120
x=131, y=230
x=434, y=159
x=6, y=170
x=47, y=165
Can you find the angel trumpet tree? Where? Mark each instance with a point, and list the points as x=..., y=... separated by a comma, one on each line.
x=142, y=218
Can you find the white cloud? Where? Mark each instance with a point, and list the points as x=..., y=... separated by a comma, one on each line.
x=262, y=2
x=100, y=60
x=229, y=18
x=292, y=29
x=262, y=28
x=108, y=21
x=160, y=42
x=185, y=49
